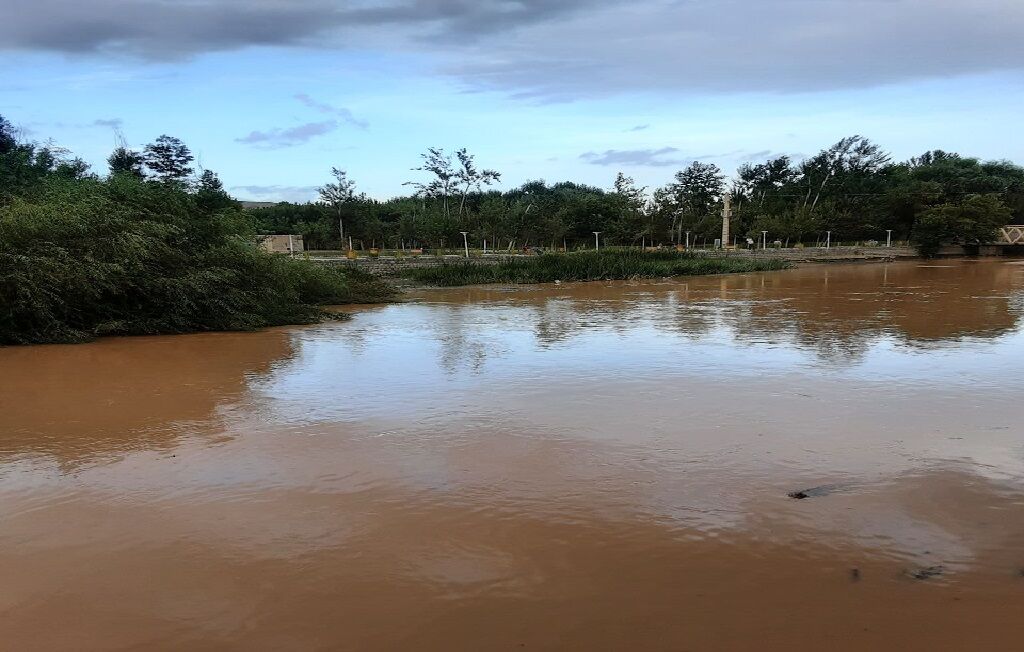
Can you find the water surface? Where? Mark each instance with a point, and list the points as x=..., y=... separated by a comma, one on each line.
x=577, y=466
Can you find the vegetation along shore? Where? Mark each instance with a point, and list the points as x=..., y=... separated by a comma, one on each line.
x=587, y=266
x=83, y=256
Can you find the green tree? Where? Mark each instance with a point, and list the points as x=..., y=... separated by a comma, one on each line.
x=972, y=220
x=842, y=165
x=210, y=194
x=339, y=194
x=168, y=160
x=444, y=181
x=126, y=161
x=691, y=197
x=630, y=222
x=470, y=177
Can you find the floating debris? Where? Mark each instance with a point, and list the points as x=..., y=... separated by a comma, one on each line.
x=815, y=492
x=928, y=572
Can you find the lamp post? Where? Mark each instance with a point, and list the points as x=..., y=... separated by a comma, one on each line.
x=465, y=241
x=597, y=241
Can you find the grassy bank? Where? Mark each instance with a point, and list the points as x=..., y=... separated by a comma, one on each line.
x=588, y=266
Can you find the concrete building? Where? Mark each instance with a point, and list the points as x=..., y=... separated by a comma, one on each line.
x=282, y=244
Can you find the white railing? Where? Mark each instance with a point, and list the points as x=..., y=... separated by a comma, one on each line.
x=1013, y=234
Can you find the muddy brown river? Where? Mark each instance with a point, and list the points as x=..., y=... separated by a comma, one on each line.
x=565, y=467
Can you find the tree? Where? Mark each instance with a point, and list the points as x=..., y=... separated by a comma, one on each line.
x=72, y=168
x=210, y=194
x=692, y=195
x=852, y=156
x=469, y=177
x=24, y=165
x=168, y=160
x=630, y=223
x=973, y=220
x=439, y=164
x=126, y=161
x=759, y=182
x=336, y=195
x=7, y=140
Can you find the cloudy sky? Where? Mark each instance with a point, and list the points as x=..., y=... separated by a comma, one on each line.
x=273, y=93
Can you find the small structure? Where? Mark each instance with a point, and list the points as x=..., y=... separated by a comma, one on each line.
x=282, y=244
x=1012, y=234
x=726, y=219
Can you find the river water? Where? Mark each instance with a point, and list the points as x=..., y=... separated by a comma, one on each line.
x=595, y=466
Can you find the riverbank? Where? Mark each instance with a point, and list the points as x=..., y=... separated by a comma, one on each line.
x=608, y=265
x=398, y=266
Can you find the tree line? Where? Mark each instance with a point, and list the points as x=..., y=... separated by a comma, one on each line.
x=852, y=189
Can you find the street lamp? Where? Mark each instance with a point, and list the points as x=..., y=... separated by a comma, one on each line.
x=465, y=241
x=597, y=241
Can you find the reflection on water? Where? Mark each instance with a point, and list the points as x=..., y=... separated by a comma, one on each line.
x=580, y=466
x=126, y=394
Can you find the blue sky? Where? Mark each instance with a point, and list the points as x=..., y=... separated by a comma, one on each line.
x=271, y=95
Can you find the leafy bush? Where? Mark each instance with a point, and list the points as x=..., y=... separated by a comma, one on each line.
x=83, y=258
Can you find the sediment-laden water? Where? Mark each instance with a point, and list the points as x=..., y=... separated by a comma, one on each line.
x=566, y=467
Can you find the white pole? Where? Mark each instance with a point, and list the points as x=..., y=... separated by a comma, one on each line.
x=597, y=241
x=687, y=239
x=828, y=239
x=465, y=241
x=888, y=237
x=764, y=239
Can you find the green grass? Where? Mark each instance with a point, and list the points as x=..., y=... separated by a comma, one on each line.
x=588, y=266
x=361, y=287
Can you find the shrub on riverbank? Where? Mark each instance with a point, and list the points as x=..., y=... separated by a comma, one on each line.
x=589, y=266
x=81, y=258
